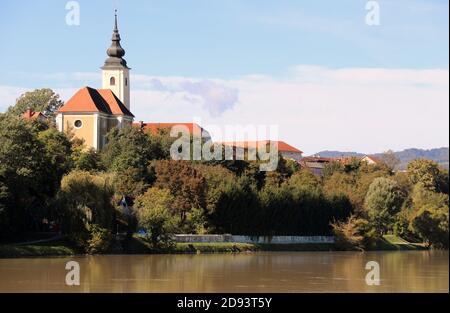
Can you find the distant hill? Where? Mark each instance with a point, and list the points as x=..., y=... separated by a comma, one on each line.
x=336, y=154
x=440, y=155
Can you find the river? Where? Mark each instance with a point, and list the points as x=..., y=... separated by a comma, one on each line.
x=405, y=271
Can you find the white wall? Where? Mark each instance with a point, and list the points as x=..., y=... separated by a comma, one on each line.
x=120, y=90
x=254, y=239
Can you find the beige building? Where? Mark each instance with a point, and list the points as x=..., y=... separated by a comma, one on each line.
x=286, y=150
x=91, y=113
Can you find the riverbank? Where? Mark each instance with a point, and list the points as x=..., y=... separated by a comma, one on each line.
x=138, y=245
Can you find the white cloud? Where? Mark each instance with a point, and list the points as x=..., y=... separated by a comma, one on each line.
x=316, y=108
x=215, y=96
x=8, y=96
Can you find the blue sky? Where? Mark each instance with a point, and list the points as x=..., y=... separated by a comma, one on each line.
x=224, y=38
x=226, y=42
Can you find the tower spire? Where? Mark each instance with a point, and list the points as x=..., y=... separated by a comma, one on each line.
x=115, y=51
x=115, y=72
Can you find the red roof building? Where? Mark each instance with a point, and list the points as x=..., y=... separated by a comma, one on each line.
x=193, y=128
x=91, y=113
x=286, y=150
x=33, y=115
x=90, y=100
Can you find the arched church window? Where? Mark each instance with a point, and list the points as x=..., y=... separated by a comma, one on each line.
x=112, y=81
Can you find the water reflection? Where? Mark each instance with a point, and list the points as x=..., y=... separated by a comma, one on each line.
x=424, y=271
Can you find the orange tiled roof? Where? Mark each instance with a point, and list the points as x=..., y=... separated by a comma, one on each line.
x=282, y=146
x=90, y=100
x=154, y=127
x=116, y=106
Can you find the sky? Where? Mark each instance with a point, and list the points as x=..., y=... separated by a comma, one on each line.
x=315, y=69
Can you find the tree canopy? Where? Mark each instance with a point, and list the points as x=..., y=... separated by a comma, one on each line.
x=43, y=100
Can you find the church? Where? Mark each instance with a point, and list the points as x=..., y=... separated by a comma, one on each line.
x=91, y=113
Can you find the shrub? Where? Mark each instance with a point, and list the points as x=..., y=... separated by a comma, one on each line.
x=195, y=222
x=99, y=239
x=349, y=234
x=91, y=238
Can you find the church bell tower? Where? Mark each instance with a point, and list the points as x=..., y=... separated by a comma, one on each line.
x=115, y=72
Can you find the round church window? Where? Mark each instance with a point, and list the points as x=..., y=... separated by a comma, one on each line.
x=78, y=123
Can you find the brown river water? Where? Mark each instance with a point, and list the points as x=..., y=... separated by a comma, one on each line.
x=403, y=271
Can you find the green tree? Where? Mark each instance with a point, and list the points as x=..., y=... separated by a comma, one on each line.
x=305, y=179
x=299, y=209
x=403, y=182
x=196, y=222
x=154, y=215
x=237, y=210
x=87, y=160
x=421, y=196
x=85, y=199
x=217, y=180
x=58, y=150
x=43, y=100
x=425, y=172
x=428, y=215
x=129, y=183
x=383, y=200
x=24, y=170
x=341, y=183
x=160, y=144
x=185, y=183
x=431, y=224
x=127, y=147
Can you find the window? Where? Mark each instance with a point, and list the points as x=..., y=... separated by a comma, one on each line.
x=112, y=81
x=126, y=81
x=78, y=124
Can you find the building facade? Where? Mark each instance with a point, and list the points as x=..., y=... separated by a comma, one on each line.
x=287, y=151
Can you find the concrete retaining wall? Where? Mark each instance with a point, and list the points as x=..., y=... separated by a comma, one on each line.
x=254, y=239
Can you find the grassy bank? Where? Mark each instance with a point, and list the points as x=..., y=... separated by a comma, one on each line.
x=138, y=245
x=392, y=242
x=57, y=248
